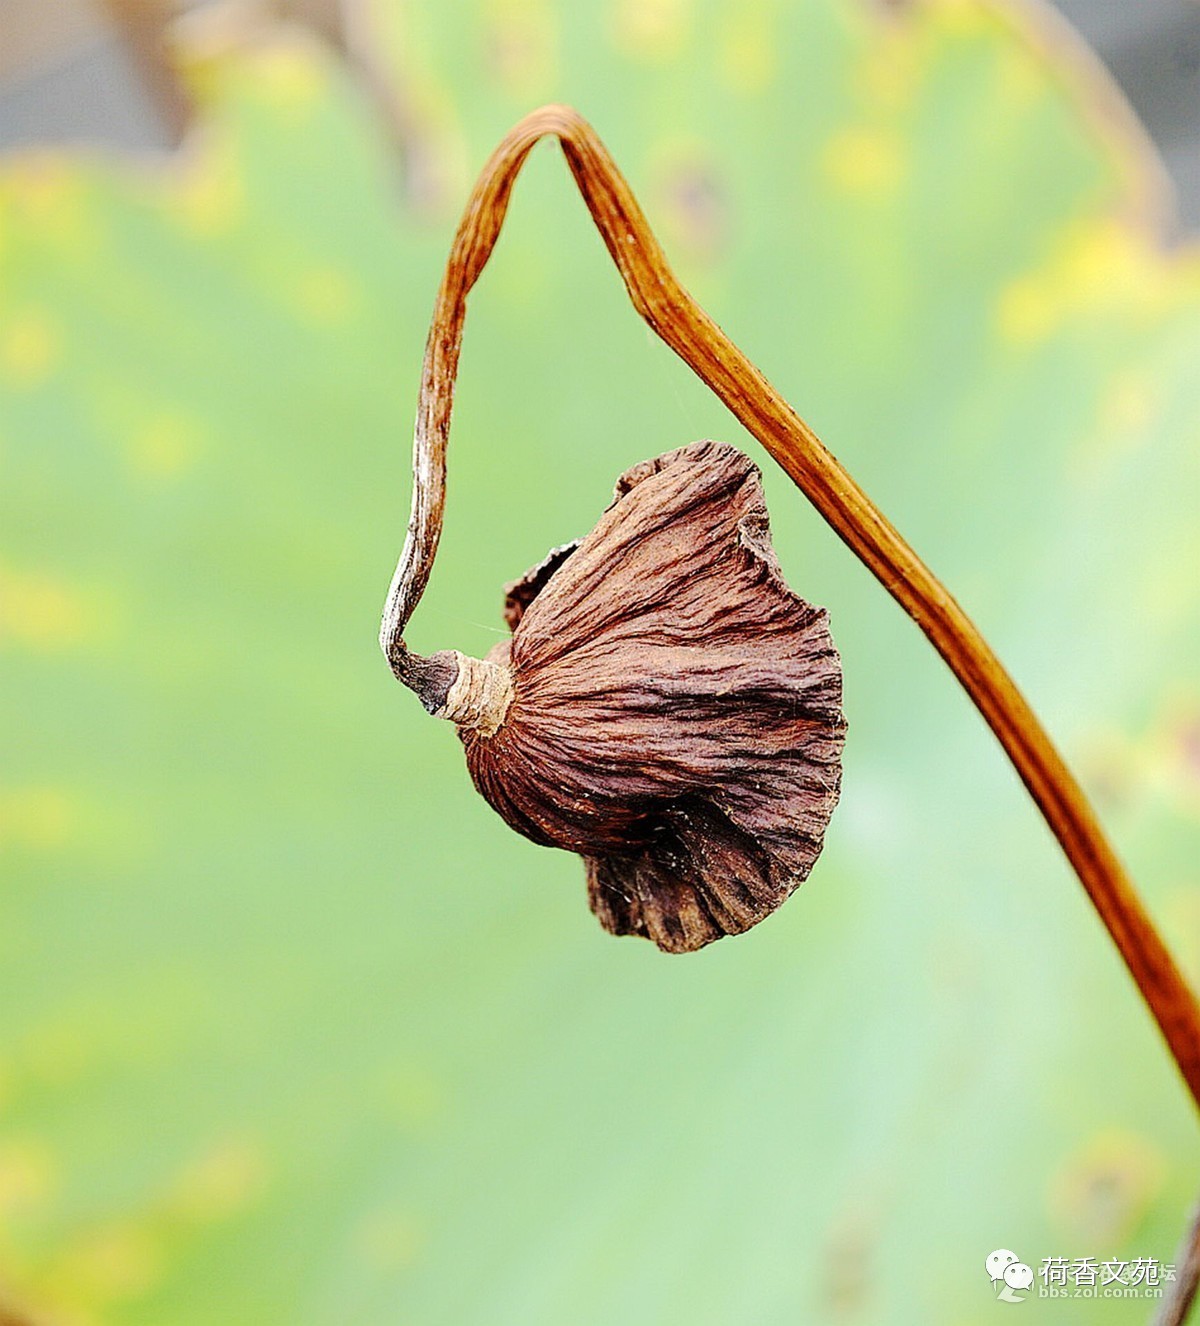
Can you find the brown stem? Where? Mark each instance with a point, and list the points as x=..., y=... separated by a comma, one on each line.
x=1181, y=1294
x=700, y=343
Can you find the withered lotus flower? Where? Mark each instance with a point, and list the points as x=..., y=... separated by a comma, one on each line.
x=666, y=706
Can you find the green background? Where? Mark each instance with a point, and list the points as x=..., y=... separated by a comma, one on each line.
x=293, y=1029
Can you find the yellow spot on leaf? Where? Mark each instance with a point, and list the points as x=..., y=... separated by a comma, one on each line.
x=291, y=79
x=35, y=818
x=889, y=73
x=38, y=612
x=1098, y=267
x=387, y=1240
x=27, y=1176
x=1099, y=255
x=865, y=162
x=1020, y=77
x=522, y=47
x=1128, y=407
x=1101, y=1193
x=746, y=58
x=223, y=1181
x=39, y=187
x=210, y=198
x=110, y=1263
x=1159, y=765
x=1130, y=403
x=46, y=201
x=164, y=447
x=326, y=297
x=30, y=344
x=955, y=19
x=1025, y=311
x=652, y=30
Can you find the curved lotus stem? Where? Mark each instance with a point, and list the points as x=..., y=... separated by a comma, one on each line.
x=700, y=343
x=1175, y=1305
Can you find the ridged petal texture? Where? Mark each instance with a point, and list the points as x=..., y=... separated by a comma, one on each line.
x=677, y=708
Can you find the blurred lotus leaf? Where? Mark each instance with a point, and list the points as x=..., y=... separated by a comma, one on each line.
x=294, y=1029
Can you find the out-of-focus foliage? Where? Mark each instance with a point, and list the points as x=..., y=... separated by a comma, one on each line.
x=292, y=1028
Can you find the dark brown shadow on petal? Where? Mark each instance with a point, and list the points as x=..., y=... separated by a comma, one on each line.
x=700, y=877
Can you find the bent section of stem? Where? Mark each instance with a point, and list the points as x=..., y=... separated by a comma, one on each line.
x=1181, y=1293
x=700, y=343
